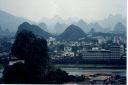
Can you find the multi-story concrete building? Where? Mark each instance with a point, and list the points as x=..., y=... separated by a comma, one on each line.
x=101, y=54
x=97, y=54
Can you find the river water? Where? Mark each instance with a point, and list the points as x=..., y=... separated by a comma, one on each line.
x=93, y=69
x=90, y=69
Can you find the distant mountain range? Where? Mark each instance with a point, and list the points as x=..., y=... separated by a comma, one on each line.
x=72, y=32
x=57, y=25
x=10, y=22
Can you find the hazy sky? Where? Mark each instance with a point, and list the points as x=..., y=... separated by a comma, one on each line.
x=85, y=9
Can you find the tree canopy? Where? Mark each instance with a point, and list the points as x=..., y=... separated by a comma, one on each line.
x=33, y=51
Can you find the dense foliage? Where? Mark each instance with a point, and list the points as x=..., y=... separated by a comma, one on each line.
x=36, y=67
x=33, y=51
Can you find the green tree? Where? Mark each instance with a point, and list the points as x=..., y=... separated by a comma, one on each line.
x=33, y=51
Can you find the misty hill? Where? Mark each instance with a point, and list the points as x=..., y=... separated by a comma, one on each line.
x=43, y=26
x=60, y=27
x=119, y=27
x=11, y=22
x=35, y=29
x=52, y=22
x=86, y=27
x=92, y=31
x=6, y=33
x=97, y=27
x=112, y=20
x=83, y=25
x=73, y=32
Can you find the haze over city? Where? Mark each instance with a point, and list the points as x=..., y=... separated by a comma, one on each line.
x=63, y=42
x=90, y=10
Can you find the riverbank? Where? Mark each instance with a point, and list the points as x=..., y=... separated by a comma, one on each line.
x=95, y=74
x=91, y=66
x=78, y=69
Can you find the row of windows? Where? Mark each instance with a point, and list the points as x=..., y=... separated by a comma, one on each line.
x=101, y=54
x=97, y=54
x=101, y=58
